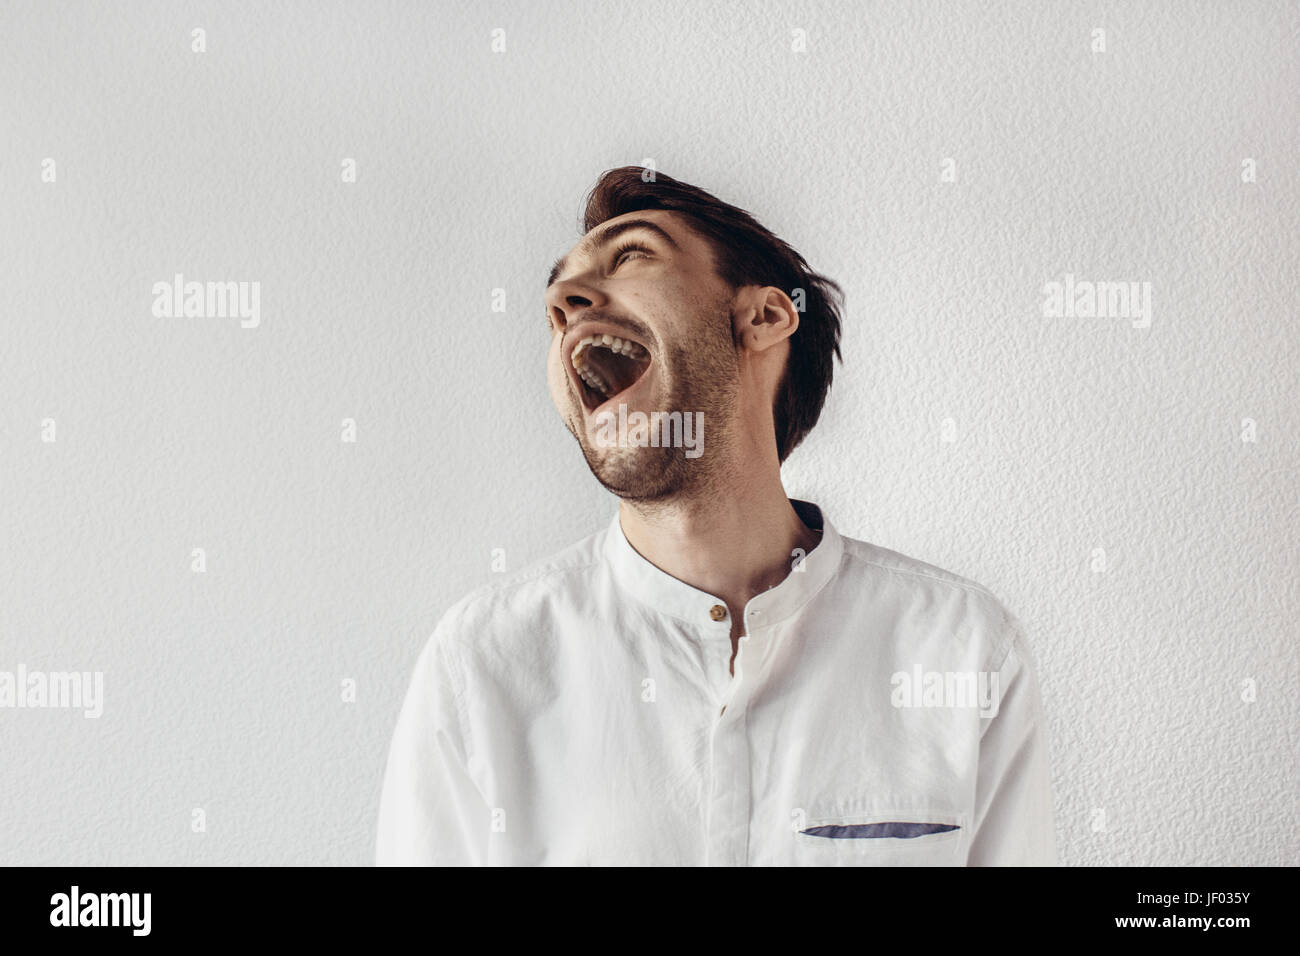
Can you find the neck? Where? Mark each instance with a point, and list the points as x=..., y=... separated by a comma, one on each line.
x=734, y=545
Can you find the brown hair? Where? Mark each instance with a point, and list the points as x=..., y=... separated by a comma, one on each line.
x=745, y=253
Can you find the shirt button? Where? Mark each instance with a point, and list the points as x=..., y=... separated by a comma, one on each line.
x=717, y=612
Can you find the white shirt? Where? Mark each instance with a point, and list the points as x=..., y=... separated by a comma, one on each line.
x=582, y=712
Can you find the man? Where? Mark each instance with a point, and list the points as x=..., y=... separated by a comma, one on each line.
x=717, y=677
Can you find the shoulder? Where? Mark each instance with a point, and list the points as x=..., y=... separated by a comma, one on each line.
x=964, y=606
x=522, y=599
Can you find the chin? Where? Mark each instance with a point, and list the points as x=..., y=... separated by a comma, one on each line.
x=639, y=474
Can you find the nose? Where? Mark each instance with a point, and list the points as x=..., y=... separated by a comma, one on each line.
x=566, y=300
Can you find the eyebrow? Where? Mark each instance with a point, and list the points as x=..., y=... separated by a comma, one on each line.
x=609, y=234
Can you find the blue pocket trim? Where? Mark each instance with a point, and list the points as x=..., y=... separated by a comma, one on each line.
x=876, y=831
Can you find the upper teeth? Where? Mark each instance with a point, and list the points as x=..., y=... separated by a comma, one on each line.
x=611, y=342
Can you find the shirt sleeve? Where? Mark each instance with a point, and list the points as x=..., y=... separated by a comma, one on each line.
x=1014, y=822
x=431, y=813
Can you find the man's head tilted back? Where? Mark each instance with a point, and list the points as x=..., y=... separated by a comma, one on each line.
x=675, y=301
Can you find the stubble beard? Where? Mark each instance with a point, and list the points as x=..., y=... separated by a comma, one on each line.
x=704, y=381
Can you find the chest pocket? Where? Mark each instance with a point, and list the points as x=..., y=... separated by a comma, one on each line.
x=884, y=836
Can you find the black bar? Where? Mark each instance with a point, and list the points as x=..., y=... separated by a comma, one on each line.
x=220, y=904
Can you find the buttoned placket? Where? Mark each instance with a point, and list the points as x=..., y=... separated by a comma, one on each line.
x=728, y=787
x=729, y=794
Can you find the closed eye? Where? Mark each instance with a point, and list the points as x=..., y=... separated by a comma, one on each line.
x=621, y=252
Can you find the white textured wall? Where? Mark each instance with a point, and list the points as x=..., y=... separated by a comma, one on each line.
x=328, y=560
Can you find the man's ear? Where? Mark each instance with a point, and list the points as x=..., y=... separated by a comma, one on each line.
x=764, y=317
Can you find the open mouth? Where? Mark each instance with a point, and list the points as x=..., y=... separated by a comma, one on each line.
x=607, y=366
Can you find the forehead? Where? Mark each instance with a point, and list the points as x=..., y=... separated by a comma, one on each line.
x=668, y=227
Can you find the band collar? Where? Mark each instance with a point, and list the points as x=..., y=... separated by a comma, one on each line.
x=665, y=593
